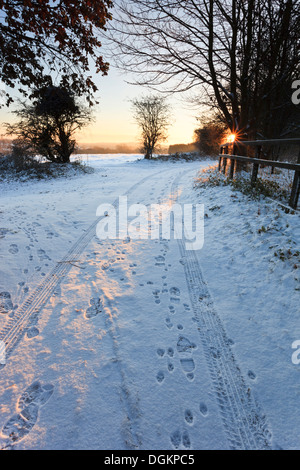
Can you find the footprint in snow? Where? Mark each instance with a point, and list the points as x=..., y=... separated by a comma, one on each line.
x=160, y=377
x=184, y=348
x=160, y=261
x=160, y=352
x=13, y=249
x=32, y=332
x=170, y=366
x=186, y=440
x=185, y=345
x=29, y=405
x=188, y=366
x=203, y=409
x=175, y=295
x=251, y=375
x=156, y=293
x=95, y=308
x=169, y=323
x=42, y=255
x=188, y=416
x=177, y=439
x=3, y=232
x=6, y=304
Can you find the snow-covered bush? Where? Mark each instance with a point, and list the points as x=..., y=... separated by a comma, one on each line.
x=277, y=185
x=23, y=165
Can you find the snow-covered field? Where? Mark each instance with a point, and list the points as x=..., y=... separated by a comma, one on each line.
x=141, y=344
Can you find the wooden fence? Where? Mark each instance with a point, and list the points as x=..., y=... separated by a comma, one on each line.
x=257, y=161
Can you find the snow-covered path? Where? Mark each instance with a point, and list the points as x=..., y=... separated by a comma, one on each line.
x=124, y=345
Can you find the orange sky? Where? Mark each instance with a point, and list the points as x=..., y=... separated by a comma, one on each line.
x=114, y=122
x=113, y=116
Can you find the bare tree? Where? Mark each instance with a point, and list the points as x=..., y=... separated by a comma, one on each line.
x=152, y=114
x=49, y=125
x=241, y=55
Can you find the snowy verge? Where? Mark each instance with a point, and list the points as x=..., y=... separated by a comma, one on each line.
x=251, y=261
x=277, y=185
x=34, y=170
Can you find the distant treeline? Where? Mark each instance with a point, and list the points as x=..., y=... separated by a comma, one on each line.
x=98, y=149
x=5, y=147
x=128, y=149
x=182, y=148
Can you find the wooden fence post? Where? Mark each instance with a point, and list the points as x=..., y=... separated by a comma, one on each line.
x=225, y=160
x=255, y=166
x=220, y=159
x=232, y=163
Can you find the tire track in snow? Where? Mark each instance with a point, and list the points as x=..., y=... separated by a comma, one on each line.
x=244, y=421
x=16, y=326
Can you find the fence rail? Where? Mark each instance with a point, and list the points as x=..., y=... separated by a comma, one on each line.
x=257, y=162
